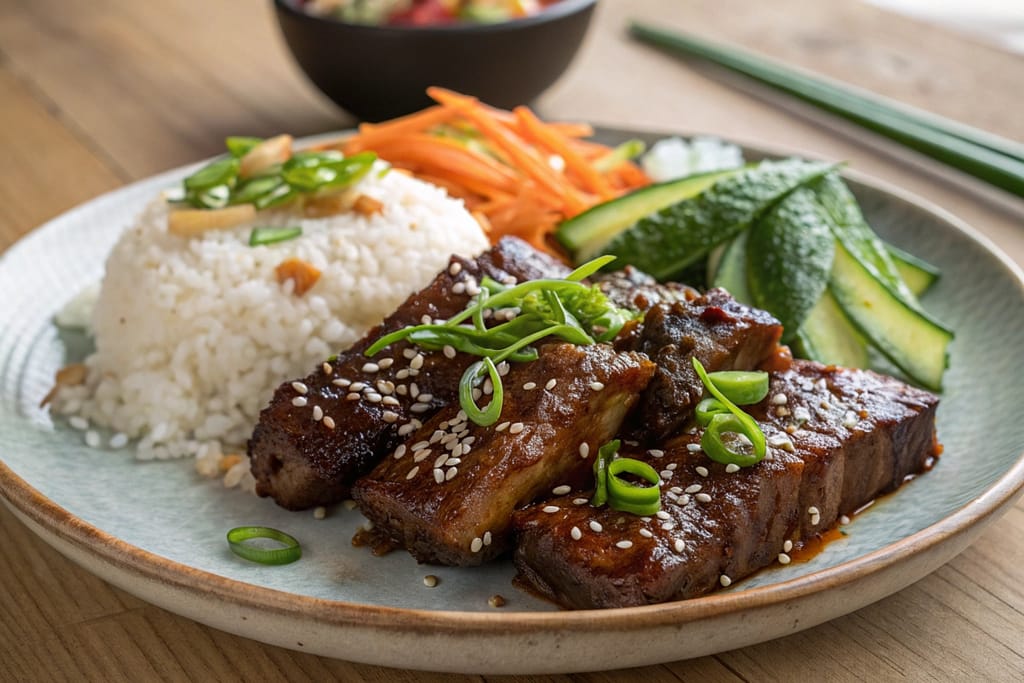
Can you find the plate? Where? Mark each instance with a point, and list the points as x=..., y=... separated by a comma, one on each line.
x=157, y=529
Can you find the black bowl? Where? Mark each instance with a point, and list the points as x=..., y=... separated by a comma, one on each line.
x=379, y=72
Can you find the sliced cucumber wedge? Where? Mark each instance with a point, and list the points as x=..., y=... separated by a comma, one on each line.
x=586, y=234
x=919, y=275
x=731, y=273
x=828, y=336
x=665, y=242
x=910, y=338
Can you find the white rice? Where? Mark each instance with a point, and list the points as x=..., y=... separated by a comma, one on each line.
x=193, y=335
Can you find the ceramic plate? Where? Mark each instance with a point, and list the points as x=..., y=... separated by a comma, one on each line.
x=157, y=529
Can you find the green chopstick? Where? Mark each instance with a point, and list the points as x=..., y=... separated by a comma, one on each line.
x=986, y=156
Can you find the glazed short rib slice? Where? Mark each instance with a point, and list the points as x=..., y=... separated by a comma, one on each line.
x=837, y=439
x=448, y=493
x=716, y=329
x=322, y=431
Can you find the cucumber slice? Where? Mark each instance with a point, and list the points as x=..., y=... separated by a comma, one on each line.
x=919, y=275
x=665, y=242
x=731, y=273
x=829, y=337
x=793, y=247
x=586, y=234
x=908, y=337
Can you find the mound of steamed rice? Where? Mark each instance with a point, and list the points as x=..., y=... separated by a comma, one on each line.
x=193, y=335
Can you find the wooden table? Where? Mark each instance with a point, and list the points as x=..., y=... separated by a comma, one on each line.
x=94, y=95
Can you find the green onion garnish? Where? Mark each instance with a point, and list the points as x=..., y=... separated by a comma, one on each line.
x=268, y=235
x=238, y=542
x=239, y=146
x=707, y=409
x=742, y=387
x=734, y=422
x=618, y=493
x=220, y=172
x=630, y=149
x=565, y=309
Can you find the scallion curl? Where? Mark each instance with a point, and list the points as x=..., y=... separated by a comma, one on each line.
x=712, y=442
x=489, y=415
x=238, y=542
x=618, y=493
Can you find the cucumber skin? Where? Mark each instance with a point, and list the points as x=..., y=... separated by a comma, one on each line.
x=731, y=273
x=665, y=242
x=792, y=247
x=915, y=343
x=829, y=337
x=918, y=274
x=584, y=235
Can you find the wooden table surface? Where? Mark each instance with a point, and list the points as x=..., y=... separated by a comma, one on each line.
x=95, y=95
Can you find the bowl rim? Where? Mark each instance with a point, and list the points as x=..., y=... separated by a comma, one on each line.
x=558, y=10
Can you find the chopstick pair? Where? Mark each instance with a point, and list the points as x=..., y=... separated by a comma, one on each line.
x=994, y=159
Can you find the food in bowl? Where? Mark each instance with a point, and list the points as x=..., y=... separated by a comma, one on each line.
x=424, y=12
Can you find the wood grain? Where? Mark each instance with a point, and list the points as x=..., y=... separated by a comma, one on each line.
x=101, y=93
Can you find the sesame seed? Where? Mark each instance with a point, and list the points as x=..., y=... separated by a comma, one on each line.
x=413, y=472
x=801, y=414
x=584, y=449
x=420, y=456
x=646, y=533
x=487, y=538
x=328, y=422
x=385, y=363
x=417, y=362
x=576, y=533
x=374, y=397
x=420, y=445
x=406, y=429
x=459, y=288
x=678, y=545
x=299, y=401
x=784, y=558
x=725, y=581
x=672, y=466
x=702, y=471
x=596, y=526
x=502, y=427
x=430, y=581
x=371, y=367
x=842, y=520
x=656, y=453
x=452, y=462
x=438, y=475
x=419, y=408
x=663, y=515
x=850, y=419
x=813, y=511
x=580, y=501
x=668, y=526
x=476, y=545
x=449, y=351
x=341, y=382
x=399, y=452
x=391, y=401
x=300, y=387
x=385, y=387
x=455, y=268
x=414, y=389
x=693, y=488
x=732, y=468
x=684, y=499
x=440, y=460
x=693, y=447
x=703, y=498
x=119, y=440
x=327, y=368
x=503, y=368
x=451, y=474
x=402, y=374
x=597, y=386
x=624, y=544
x=92, y=439
x=676, y=489
x=320, y=512
x=666, y=474
x=529, y=386
x=782, y=411
x=426, y=319
x=426, y=398
x=787, y=546
x=551, y=508
x=496, y=601
x=815, y=520
x=318, y=413
x=515, y=428
x=561, y=490
x=779, y=400
x=551, y=384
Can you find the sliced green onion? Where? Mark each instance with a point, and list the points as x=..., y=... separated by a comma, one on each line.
x=220, y=172
x=269, y=235
x=629, y=149
x=742, y=387
x=215, y=197
x=239, y=146
x=238, y=542
x=281, y=195
x=589, y=268
x=707, y=409
x=604, y=456
x=254, y=189
x=626, y=496
x=712, y=442
x=728, y=423
x=473, y=373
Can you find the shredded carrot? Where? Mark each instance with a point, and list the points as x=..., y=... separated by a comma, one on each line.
x=517, y=175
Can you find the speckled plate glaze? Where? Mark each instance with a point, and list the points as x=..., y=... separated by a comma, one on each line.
x=157, y=529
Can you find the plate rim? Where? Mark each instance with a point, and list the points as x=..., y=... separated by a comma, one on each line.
x=111, y=550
